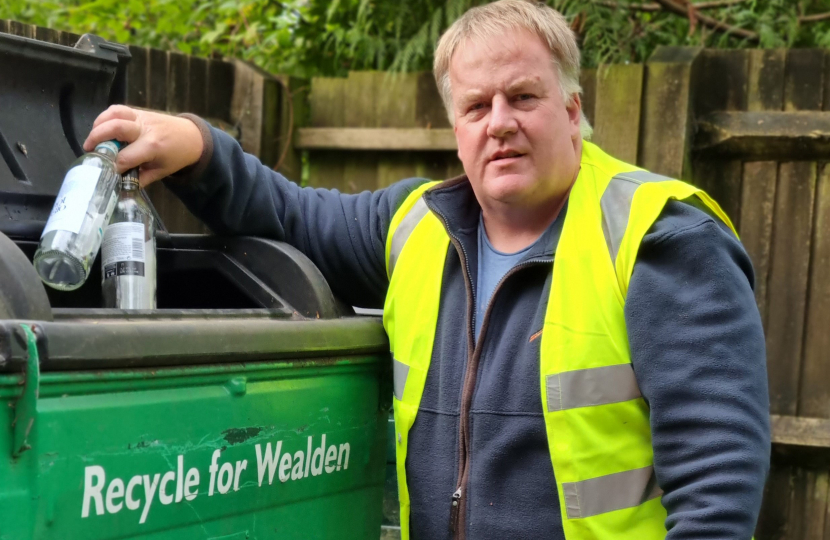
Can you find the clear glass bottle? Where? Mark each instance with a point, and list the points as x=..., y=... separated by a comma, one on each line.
x=128, y=253
x=73, y=234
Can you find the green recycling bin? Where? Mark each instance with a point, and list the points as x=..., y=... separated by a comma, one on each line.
x=250, y=405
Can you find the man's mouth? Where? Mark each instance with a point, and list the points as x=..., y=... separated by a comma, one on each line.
x=507, y=154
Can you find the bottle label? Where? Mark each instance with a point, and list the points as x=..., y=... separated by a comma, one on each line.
x=73, y=200
x=123, y=250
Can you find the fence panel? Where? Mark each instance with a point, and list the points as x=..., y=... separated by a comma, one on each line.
x=362, y=158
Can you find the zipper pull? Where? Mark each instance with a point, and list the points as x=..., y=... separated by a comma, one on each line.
x=456, y=505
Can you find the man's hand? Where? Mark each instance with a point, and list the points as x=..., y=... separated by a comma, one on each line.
x=159, y=144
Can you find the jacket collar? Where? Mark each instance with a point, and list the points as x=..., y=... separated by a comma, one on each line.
x=455, y=201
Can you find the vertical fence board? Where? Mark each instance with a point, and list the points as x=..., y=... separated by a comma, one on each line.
x=361, y=99
x=765, y=93
x=809, y=504
x=773, y=521
x=157, y=73
x=137, y=77
x=667, y=107
x=792, y=231
x=766, y=80
x=69, y=39
x=246, y=107
x=827, y=521
x=197, y=86
x=429, y=108
x=814, y=398
x=255, y=109
x=588, y=82
x=758, y=203
x=177, y=81
x=721, y=85
x=293, y=114
x=23, y=30
x=788, y=282
x=814, y=393
x=326, y=102
x=397, y=108
x=270, y=120
x=397, y=100
x=619, y=88
x=327, y=110
x=220, y=76
x=721, y=178
x=803, y=81
x=721, y=81
x=431, y=113
x=4, y=26
x=49, y=35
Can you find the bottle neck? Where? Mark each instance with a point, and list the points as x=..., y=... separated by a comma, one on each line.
x=128, y=185
x=108, y=148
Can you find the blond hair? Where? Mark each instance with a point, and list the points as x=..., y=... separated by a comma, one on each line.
x=492, y=20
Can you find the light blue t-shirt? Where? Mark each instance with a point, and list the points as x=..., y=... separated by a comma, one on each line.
x=492, y=266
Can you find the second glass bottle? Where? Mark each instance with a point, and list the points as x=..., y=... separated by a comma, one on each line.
x=128, y=252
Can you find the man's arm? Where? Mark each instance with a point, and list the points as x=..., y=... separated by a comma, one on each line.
x=697, y=348
x=344, y=235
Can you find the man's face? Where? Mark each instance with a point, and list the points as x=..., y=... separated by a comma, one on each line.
x=519, y=144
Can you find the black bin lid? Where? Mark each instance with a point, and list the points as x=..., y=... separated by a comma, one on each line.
x=50, y=95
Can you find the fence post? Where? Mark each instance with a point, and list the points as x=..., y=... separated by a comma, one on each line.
x=667, y=123
x=255, y=108
x=293, y=114
x=618, y=93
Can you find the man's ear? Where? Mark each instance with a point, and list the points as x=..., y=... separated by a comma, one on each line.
x=455, y=131
x=575, y=110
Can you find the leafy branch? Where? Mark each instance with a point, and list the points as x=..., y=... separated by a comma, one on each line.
x=689, y=11
x=654, y=6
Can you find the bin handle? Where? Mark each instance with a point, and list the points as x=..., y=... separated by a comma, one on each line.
x=25, y=410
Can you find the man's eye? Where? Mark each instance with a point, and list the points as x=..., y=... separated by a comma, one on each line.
x=476, y=106
x=524, y=97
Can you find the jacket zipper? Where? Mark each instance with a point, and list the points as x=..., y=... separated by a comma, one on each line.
x=458, y=495
x=459, y=507
x=458, y=502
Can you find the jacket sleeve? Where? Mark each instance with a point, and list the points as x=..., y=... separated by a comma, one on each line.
x=698, y=352
x=344, y=235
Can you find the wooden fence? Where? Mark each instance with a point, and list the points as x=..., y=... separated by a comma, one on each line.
x=379, y=112
x=751, y=127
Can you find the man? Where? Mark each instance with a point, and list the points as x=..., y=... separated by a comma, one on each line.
x=577, y=351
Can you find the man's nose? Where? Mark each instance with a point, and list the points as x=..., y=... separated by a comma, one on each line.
x=502, y=119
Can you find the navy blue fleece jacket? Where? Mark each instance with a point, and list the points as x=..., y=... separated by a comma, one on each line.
x=696, y=341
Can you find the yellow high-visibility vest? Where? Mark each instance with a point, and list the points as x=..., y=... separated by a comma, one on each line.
x=596, y=420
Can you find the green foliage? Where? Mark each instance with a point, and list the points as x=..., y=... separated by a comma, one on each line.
x=617, y=31
x=330, y=37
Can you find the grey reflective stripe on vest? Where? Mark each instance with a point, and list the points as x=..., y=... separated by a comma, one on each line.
x=616, y=205
x=616, y=491
x=589, y=387
x=405, y=228
x=400, y=372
